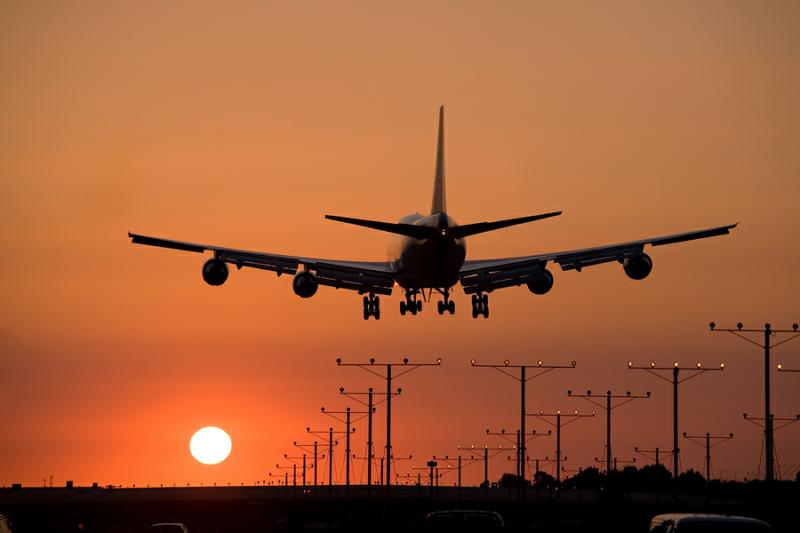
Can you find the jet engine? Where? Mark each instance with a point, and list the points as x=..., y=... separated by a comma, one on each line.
x=215, y=272
x=305, y=285
x=542, y=283
x=637, y=266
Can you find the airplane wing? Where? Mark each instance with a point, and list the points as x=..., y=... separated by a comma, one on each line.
x=490, y=274
x=364, y=277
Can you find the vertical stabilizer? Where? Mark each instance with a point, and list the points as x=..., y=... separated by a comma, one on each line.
x=439, y=204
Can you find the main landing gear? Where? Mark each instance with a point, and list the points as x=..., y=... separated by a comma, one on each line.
x=411, y=305
x=446, y=305
x=480, y=305
x=372, y=306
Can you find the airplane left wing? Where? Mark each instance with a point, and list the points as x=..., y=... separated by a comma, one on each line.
x=364, y=277
x=490, y=274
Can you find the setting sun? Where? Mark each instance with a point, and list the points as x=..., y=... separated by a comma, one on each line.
x=210, y=445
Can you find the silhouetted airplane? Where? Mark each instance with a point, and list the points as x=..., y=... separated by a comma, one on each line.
x=429, y=253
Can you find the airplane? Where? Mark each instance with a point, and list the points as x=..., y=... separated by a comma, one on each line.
x=428, y=252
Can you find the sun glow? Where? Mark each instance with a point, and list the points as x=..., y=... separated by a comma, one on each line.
x=210, y=445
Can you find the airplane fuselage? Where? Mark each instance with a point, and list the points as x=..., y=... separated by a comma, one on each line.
x=428, y=263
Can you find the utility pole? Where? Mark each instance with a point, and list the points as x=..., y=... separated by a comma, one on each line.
x=523, y=379
x=675, y=370
x=711, y=441
x=348, y=431
x=314, y=450
x=570, y=418
x=768, y=332
x=406, y=368
x=370, y=404
x=609, y=406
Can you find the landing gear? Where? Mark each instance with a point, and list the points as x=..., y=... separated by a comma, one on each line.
x=446, y=305
x=372, y=306
x=411, y=305
x=480, y=305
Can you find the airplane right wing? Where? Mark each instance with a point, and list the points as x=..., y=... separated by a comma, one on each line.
x=490, y=274
x=363, y=277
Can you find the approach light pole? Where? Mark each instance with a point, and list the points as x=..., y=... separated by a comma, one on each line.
x=783, y=422
x=523, y=379
x=312, y=448
x=516, y=442
x=675, y=369
x=711, y=441
x=768, y=332
x=347, y=421
x=331, y=443
x=370, y=404
x=617, y=461
x=649, y=454
x=609, y=406
x=406, y=368
x=295, y=459
x=558, y=415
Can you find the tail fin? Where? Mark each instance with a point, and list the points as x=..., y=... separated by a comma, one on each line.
x=439, y=202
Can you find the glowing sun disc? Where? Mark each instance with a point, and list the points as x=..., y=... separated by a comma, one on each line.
x=210, y=445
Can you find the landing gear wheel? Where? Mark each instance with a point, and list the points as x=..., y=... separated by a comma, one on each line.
x=440, y=307
x=451, y=307
x=480, y=305
x=411, y=304
x=372, y=307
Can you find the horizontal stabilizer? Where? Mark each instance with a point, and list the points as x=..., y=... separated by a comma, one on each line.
x=482, y=227
x=409, y=230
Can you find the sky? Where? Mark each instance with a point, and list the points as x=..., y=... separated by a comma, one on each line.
x=241, y=124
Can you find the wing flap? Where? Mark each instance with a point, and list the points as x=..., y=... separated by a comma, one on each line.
x=511, y=275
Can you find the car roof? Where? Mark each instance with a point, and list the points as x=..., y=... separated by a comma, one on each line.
x=703, y=517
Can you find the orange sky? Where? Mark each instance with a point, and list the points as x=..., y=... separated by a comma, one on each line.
x=243, y=125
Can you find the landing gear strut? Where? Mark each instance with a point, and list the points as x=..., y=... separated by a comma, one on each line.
x=446, y=305
x=372, y=306
x=411, y=305
x=480, y=305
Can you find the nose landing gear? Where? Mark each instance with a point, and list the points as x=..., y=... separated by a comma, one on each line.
x=480, y=305
x=372, y=306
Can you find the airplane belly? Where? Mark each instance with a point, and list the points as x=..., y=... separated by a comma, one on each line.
x=430, y=264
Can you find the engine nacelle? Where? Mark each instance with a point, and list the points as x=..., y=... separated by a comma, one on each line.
x=215, y=272
x=305, y=285
x=637, y=266
x=542, y=283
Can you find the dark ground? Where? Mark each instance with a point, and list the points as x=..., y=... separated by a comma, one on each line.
x=276, y=509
